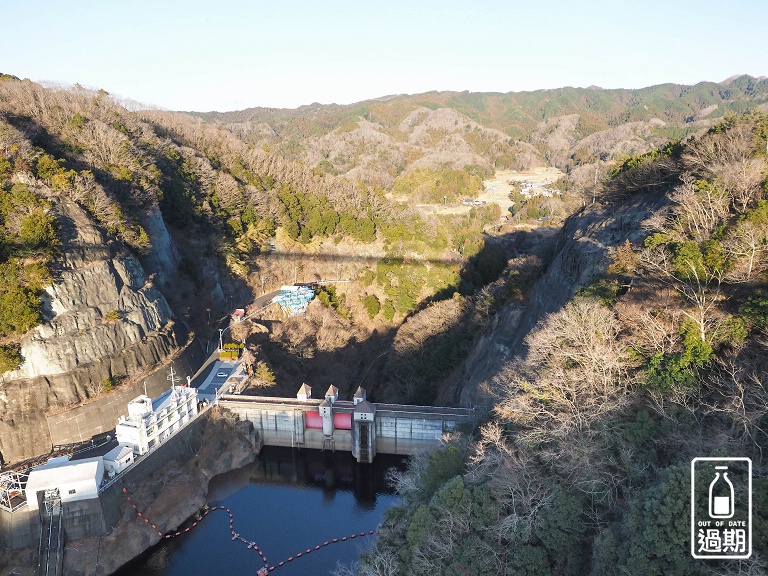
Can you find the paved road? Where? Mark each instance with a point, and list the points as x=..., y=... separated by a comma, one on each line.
x=201, y=375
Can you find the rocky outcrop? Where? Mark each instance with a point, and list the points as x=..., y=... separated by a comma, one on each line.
x=98, y=310
x=583, y=251
x=104, y=321
x=164, y=257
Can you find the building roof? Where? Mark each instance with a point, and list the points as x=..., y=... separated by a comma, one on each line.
x=365, y=406
x=332, y=391
x=360, y=392
x=118, y=452
x=167, y=397
x=55, y=474
x=305, y=389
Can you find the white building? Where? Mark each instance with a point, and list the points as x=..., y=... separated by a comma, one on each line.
x=75, y=480
x=150, y=422
x=118, y=459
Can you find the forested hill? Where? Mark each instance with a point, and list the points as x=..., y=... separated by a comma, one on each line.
x=565, y=127
x=101, y=206
x=650, y=349
x=121, y=164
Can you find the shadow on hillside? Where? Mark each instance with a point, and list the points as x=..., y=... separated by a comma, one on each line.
x=390, y=375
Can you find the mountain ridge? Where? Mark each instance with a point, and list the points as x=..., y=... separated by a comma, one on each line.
x=331, y=139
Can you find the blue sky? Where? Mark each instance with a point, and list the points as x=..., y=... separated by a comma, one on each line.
x=227, y=55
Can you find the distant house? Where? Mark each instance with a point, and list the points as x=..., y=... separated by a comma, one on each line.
x=238, y=315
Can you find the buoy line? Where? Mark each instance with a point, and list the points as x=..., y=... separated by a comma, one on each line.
x=236, y=536
x=318, y=547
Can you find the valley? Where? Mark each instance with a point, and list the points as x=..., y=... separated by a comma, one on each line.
x=588, y=266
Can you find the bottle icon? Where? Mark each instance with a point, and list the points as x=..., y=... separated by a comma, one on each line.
x=721, y=495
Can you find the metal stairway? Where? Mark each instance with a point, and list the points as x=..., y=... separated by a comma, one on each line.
x=51, y=550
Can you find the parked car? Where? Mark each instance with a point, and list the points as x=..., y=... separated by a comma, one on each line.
x=221, y=375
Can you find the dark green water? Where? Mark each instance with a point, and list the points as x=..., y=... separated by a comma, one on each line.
x=287, y=502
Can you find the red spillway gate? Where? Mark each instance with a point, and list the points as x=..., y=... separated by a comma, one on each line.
x=314, y=421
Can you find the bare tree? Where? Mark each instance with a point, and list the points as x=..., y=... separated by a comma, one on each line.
x=105, y=146
x=383, y=561
x=698, y=285
x=728, y=156
x=748, y=241
x=698, y=209
x=575, y=372
x=739, y=389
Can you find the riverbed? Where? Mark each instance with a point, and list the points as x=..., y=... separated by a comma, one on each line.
x=287, y=503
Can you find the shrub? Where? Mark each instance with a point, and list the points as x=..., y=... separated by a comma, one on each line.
x=756, y=310
x=38, y=230
x=263, y=375
x=667, y=371
x=19, y=311
x=443, y=465
x=113, y=316
x=328, y=297
x=389, y=310
x=107, y=384
x=372, y=305
x=10, y=358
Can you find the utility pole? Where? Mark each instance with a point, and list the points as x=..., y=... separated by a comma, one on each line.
x=221, y=339
x=594, y=188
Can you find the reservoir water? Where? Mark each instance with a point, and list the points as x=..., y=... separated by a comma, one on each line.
x=287, y=502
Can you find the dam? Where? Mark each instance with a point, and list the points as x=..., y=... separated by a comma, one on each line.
x=358, y=426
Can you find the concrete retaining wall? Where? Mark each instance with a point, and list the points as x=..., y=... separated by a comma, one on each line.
x=100, y=415
x=98, y=516
x=19, y=529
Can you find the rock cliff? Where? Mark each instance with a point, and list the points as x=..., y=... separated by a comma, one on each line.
x=583, y=251
x=104, y=321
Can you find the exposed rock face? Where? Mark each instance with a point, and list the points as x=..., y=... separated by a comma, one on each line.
x=164, y=256
x=80, y=332
x=584, y=250
x=82, y=342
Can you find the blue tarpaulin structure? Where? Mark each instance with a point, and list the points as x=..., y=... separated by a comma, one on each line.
x=294, y=299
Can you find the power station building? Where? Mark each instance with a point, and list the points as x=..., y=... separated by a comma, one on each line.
x=150, y=422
